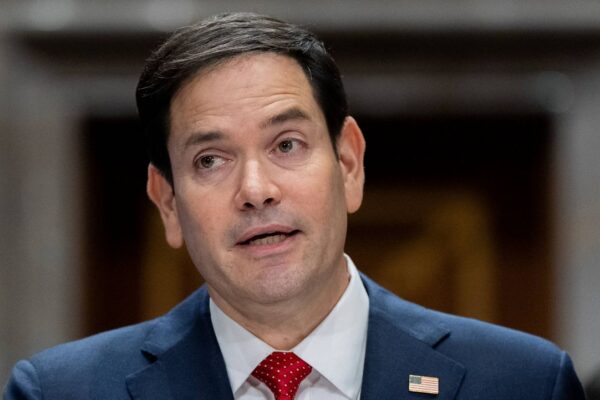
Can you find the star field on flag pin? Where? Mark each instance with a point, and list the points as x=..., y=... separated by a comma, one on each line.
x=423, y=384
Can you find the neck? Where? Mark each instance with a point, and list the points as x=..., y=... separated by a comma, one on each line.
x=284, y=324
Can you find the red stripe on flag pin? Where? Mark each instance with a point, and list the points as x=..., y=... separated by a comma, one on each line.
x=423, y=384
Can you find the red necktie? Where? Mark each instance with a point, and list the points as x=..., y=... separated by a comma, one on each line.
x=282, y=373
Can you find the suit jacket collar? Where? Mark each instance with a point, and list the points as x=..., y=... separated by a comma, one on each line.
x=401, y=341
x=185, y=361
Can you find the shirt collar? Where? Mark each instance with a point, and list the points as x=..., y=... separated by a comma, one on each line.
x=339, y=340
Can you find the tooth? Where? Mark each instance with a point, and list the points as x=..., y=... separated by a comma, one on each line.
x=268, y=240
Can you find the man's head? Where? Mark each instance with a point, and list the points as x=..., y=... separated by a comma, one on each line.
x=257, y=192
x=192, y=49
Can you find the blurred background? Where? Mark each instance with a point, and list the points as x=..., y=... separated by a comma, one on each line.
x=483, y=170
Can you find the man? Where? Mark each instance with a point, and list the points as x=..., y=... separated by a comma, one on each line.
x=255, y=165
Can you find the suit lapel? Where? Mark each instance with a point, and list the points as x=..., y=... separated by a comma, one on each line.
x=401, y=341
x=184, y=355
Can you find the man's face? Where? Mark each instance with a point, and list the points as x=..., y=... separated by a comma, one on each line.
x=260, y=198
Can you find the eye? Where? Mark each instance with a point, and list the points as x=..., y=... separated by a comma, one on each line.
x=285, y=146
x=290, y=149
x=208, y=162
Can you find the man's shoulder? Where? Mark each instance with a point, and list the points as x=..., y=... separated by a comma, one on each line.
x=128, y=344
x=485, y=360
x=122, y=344
x=70, y=370
x=459, y=337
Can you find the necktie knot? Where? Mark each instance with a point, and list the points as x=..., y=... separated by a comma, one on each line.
x=282, y=372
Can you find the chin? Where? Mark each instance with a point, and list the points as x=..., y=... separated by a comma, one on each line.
x=276, y=286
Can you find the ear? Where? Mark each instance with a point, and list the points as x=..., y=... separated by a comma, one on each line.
x=162, y=195
x=351, y=153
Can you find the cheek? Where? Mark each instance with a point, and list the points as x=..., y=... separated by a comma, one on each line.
x=199, y=219
x=320, y=194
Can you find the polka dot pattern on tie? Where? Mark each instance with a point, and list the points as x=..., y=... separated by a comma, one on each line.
x=282, y=372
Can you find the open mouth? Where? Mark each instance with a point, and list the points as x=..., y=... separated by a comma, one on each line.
x=268, y=238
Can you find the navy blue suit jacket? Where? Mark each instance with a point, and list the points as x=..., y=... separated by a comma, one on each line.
x=177, y=356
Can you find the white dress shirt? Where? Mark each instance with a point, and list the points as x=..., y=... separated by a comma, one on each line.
x=335, y=349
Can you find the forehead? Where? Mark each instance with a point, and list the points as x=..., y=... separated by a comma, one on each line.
x=247, y=85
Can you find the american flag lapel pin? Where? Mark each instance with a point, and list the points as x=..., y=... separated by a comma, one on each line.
x=423, y=384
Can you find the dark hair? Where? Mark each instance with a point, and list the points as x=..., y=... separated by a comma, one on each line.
x=220, y=38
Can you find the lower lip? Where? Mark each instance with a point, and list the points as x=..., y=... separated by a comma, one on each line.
x=268, y=250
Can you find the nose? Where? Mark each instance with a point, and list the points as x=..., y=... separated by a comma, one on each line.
x=257, y=189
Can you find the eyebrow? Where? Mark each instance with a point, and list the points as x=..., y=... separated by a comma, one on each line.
x=291, y=114
x=202, y=137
